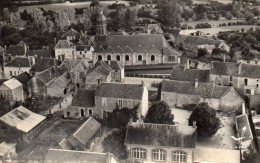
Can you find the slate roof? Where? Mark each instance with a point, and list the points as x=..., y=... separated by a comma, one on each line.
x=49, y=75
x=22, y=119
x=18, y=50
x=70, y=32
x=19, y=62
x=83, y=47
x=43, y=64
x=183, y=74
x=216, y=155
x=60, y=82
x=241, y=122
x=63, y=44
x=60, y=155
x=47, y=53
x=23, y=77
x=160, y=135
x=114, y=65
x=6, y=147
x=137, y=43
x=87, y=130
x=100, y=69
x=84, y=98
x=12, y=83
x=127, y=91
x=232, y=69
x=68, y=64
x=206, y=90
x=171, y=51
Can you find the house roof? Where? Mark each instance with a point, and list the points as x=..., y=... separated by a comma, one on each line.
x=87, y=130
x=60, y=155
x=22, y=119
x=84, y=98
x=232, y=69
x=174, y=32
x=69, y=64
x=100, y=69
x=137, y=43
x=43, y=64
x=171, y=51
x=6, y=147
x=128, y=91
x=47, y=53
x=114, y=65
x=198, y=40
x=216, y=155
x=19, y=62
x=18, y=50
x=23, y=77
x=63, y=44
x=183, y=74
x=160, y=135
x=50, y=74
x=206, y=90
x=83, y=47
x=241, y=122
x=70, y=32
x=12, y=83
x=61, y=81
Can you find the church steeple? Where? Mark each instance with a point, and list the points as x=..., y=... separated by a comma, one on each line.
x=101, y=23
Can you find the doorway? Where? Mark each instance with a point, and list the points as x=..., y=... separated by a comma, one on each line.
x=82, y=112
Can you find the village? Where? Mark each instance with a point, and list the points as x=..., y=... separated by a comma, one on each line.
x=123, y=95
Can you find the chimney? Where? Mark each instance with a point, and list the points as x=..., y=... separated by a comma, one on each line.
x=196, y=83
x=55, y=66
x=33, y=60
x=50, y=72
x=239, y=67
x=179, y=60
x=188, y=64
x=142, y=83
x=194, y=124
x=243, y=108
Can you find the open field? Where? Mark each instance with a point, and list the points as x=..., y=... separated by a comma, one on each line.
x=62, y=6
x=213, y=23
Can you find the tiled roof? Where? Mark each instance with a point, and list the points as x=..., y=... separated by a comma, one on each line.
x=183, y=74
x=83, y=47
x=42, y=53
x=198, y=40
x=171, y=51
x=137, y=43
x=114, y=65
x=232, y=69
x=87, y=130
x=206, y=90
x=49, y=75
x=174, y=32
x=19, y=62
x=70, y=32
x=63, y=44
x=100, y=69
x=85, y=98
x=61, y=82
x=160, y=135
x=68, y=64
x=18, y=50
x=60, y=155
x=23, y=77
x=241, y=122
x=43, y=64
x=127, y=91
x=22, y=119
x=12, y=83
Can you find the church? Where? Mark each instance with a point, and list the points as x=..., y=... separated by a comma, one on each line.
x=132, y=49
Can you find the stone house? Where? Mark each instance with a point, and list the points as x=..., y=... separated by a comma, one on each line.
x=7, y=152
x=180, y=93
x=21, y=124
x=148, y=142
x=12, y=90
x=243, y=77
x=70, y=35
x=82, y=105
x=61, y=155
x=135, y=49
x=16, y=66
x=108, y=71
x=84, y=51
x=85, y=136
x=43, y=64
x=42, y=53
x=109, y=96
x=64, y=49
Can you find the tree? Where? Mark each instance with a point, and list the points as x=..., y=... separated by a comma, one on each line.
x=246, y=51
x=228, y=15
x=94, y=3
x=26, y=16
x=250, y=18
x=130, y=18
x=6, y=13
x=15, y=18
x=202, y=52
x=114, y=143
x=159, y=113
x=206, y=120
x=217, y=51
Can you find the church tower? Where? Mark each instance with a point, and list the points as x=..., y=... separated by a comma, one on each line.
x=101, y=23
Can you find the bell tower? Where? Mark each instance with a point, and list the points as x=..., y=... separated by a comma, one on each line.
x=101, y=23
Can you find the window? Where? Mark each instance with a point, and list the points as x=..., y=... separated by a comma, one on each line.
x=77, y=75
x=104, y=102
x=231, y=78
x=179, y=156
x=80, y=53
x=129, y=103
x=159, y=155
x=257, y=132
x=246, y=81
x=127, y=57
x=90, y=112
x=113, y=75
x=152, y=58
x=257, y=83
x=118, y=57
x=109, y=57
x=11, y=74
x=68, y=113
x=120, y=103
x=100, y=58
x=140, y=58
x=139, y=153
x=104, y=114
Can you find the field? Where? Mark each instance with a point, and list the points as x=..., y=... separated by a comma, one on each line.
x=62, y=6
x=206, y=2
x=213, y=23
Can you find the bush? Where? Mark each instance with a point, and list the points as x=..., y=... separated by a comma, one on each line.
x=189, y=107
x=203, y=25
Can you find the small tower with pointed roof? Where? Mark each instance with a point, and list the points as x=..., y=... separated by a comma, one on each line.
x=101, y=23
